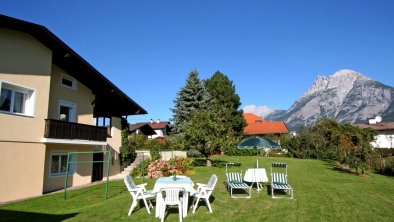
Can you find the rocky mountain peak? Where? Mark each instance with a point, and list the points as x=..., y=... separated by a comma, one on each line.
x=346, y=95
x=344, y=79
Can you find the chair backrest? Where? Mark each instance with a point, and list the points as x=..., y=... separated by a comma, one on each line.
x=278, y=166
x=134, y=191
x=212, y=181
x=232, y=164
x=129, y=183
x=171, y=195
x=234, y=176
x=279, y=178
x=211, y=184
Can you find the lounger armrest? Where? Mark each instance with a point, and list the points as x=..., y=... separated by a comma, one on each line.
x=200, y=186
x=142, y=185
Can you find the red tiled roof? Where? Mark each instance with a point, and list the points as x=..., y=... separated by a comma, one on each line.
x=383, y=126
x=251, y=118
x=260, y=126
x=158, y=125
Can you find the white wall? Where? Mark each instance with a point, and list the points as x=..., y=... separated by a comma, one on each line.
x=384, y=141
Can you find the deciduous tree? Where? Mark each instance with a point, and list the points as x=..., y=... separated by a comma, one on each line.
x=223, y=95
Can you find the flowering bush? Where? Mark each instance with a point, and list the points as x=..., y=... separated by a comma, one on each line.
x=159, y=168
x=182, y=166
x=179, y=166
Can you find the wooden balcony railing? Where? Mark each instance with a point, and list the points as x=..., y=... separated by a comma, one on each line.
x=66, y=130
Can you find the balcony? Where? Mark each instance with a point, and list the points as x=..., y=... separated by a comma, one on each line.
x=57, y=129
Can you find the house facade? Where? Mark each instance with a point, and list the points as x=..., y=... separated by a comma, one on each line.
x=257, y=126
x=53, y=102
x=161, y=128
x=384, y=133
x=141, y=129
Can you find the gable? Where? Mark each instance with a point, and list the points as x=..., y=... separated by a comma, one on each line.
x=260, y=126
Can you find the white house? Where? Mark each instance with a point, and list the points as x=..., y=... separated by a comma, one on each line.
x=384, y=130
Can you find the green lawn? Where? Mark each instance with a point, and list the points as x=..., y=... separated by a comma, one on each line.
x=321, y=193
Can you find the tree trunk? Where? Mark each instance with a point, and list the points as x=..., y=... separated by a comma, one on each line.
x=209, y=163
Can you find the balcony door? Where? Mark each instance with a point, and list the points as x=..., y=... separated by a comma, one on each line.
x=67, y=111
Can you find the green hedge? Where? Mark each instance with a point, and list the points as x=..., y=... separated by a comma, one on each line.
x=242, y=152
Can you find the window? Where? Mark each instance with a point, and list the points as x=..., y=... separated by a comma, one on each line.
x=16, y=99
x=103, y=121
x=69, y=82
x=106, y=122
x=59, y=164
x=67, y=111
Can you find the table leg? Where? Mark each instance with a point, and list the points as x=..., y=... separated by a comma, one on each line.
x=159, y=204
x=185, y=203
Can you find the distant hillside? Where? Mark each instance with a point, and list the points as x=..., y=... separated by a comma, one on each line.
x=346, y=96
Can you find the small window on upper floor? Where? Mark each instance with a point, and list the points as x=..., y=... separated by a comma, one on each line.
x=258, y=121
x=105, y=122
x=16, y=99
x=69, y=82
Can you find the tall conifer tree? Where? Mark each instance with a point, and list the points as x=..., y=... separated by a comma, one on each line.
x=191, y=97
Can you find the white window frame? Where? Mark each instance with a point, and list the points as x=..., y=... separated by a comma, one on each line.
x=29, y=103
x=72, y=166
x=69, y=78
x=73, y=110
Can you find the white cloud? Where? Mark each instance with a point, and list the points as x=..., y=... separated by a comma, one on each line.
x=261, y=111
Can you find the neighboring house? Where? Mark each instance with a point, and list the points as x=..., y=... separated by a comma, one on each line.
x=257, y=126
x=161, y=129
x=384, y=133
x=53, y=102
x=141, y=129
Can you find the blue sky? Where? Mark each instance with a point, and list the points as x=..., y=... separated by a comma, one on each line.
x=271, y=50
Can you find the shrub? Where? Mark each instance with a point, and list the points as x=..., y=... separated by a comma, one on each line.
x=182, y=166
x=277, y=153
x=385, y=151
x=389, y=166
x=154, y=148
x=194, y=153
x=241, y=152
x=142, y=166
x=127, y=150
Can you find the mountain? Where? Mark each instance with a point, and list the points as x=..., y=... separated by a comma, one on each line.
x=346, y=96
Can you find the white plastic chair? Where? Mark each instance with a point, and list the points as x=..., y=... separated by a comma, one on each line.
x=204, y=191
x=172, y=197
x=138, y=192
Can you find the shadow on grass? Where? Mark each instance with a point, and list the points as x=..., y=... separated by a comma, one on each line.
x=13, y=215
x=96, y=191
x=215, y=163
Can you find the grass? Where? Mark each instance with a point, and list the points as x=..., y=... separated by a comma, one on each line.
x=322, y=192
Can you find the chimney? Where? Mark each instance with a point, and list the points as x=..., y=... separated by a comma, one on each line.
x=158, y=121
x=151, y=120
x=371, y=121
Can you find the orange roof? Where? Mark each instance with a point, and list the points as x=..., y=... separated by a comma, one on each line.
x=251, y=118
x=260, y=126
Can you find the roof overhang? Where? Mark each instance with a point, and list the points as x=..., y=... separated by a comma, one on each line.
x=110, y=100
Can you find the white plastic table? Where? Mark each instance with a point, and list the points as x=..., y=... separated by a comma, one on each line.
x=256, y=175
x=168, y=182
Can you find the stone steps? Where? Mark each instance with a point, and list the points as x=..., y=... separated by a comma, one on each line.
x=126, y=171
